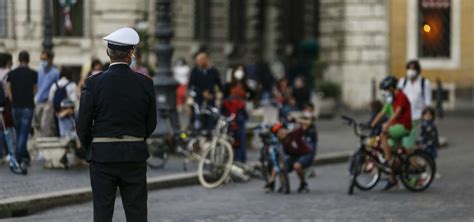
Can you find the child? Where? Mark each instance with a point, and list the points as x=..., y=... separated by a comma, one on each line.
x=235, y=105
x=429, y=132
x=300, y=154
x=67, y=125
x=308, y=123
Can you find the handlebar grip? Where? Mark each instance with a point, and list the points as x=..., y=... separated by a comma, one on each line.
x=348, y=119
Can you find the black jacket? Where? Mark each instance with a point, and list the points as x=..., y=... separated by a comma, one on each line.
x=202, y=80
x=116, y=103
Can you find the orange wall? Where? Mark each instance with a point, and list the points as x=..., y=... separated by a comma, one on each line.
x=463, y=76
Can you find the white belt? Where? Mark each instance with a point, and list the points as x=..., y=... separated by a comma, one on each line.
x=117, y=139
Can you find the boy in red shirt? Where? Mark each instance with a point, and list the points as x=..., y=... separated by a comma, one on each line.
x=399, y=123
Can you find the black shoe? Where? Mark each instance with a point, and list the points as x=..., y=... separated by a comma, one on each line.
x=26, y=162
x=390, y=185
x=19, y=169
x=303, y=188
x=283, y=189
x=269, y=187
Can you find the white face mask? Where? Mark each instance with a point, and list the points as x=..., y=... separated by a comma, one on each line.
x=388, y=96
x=411, y=73
x=239, y=74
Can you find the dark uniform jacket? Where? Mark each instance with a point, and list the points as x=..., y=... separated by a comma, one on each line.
x=118, y=102
x=202, y=80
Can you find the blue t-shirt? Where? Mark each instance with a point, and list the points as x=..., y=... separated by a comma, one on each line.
x=46, y=78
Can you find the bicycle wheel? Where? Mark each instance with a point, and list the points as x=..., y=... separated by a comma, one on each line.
x=284, y=179
x=367, y=173
x=417, y=172
x=266, y=165
x=158, y=154
x=215, y=164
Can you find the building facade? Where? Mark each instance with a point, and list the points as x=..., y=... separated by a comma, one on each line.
x=360, y=41
x=438, y=33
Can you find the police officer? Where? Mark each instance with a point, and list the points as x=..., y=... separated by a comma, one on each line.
x=117, y=113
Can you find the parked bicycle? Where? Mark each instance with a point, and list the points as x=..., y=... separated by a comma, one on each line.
x=217, y=155
x=415, y=169
x=212, y=149
x=272, y=158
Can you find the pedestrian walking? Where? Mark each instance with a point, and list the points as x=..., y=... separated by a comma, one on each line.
x=234, y=104
x=21, y=89
x=96, y=67
x=417, y=88
x=203, y=83
x=117, y=113
x=181, y=73
x=5, y=65
x=204, y=80
x=439, y=99
x=301, y=93
x=137, y=64
x=43, y=120
x=61, y=90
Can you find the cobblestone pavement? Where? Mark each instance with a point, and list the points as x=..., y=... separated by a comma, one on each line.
x=448, y=199
x=334, y=137
x=41, y=180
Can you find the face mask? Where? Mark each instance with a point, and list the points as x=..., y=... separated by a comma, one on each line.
x=44, y=64
x=388, y=96
x=411, y=73
x=133, y=63
x=307, y=114
x=239, y=74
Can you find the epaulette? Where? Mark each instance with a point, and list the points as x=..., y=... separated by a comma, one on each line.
x=94, y=75
x=148, y=76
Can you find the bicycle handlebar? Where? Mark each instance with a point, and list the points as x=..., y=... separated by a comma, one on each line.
x=351, y=122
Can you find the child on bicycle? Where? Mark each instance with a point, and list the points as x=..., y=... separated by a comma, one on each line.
x=300, y=154
x=397, y=126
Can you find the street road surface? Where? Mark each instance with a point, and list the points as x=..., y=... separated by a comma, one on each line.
x=450, y=198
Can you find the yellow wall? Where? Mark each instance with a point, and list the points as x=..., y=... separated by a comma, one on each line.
x=463, y=76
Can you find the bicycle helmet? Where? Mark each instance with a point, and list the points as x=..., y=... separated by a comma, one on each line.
x=277, y=126
x=67, y=103
x=389, y=81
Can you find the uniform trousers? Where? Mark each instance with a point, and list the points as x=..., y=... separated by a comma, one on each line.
x=130, y=178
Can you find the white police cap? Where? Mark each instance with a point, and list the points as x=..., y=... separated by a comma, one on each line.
x=122, y=39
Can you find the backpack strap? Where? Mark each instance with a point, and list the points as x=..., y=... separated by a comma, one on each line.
x=423, y=80
x=405, y=82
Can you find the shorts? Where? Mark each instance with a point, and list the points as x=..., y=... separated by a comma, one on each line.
x=397, y=131
x=305, y=160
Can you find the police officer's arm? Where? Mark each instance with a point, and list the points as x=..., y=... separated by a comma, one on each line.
x=86, y=115
x=151, y=118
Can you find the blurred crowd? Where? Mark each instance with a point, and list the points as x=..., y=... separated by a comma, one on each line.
x=43, y=101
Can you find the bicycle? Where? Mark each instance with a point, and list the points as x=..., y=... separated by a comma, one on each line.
x=216, y=159
x=416, y=170
x=272, y=157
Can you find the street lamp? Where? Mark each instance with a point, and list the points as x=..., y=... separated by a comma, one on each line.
x=165, y=85
x=48, y=25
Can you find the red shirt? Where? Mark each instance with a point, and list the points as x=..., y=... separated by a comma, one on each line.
x=401, y=100
x=294, y=143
